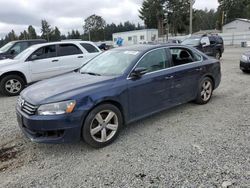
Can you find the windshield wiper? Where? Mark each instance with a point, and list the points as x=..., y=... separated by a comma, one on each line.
x=91, y=73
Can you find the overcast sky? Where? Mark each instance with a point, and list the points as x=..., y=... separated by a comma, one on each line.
x=69, y=14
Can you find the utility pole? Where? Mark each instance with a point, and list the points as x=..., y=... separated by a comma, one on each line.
x=191, y=16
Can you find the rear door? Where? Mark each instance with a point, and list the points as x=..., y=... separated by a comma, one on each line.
x=187, y=70
x=70, y=57
x=45, y=64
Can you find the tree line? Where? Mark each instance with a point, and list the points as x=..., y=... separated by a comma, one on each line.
x=95, y=29
x=173, y=15
x=170, y=16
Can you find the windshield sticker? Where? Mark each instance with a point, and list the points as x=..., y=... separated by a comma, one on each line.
x=131, y=52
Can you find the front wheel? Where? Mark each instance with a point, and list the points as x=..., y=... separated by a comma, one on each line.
x=205, y=91
x=11, y=85
x=102, y=125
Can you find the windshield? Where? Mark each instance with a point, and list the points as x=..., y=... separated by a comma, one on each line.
x=23, y=53
x=7, y=46
x=110, y=63
x=191, y=41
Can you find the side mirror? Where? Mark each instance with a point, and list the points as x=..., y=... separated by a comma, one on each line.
x=138, y=72
x=33, y=57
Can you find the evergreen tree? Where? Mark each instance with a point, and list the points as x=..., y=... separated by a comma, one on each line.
x=32, y=32
x=46, y=30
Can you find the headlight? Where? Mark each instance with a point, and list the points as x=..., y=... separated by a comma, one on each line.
x=245, y=58
x=64, y=107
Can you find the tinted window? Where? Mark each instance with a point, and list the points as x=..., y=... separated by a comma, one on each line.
x=155, y=60
x=212, y=40
x=68, y=49
x=181, y=56
x=19, y=47
x=45, y=52
x=89, y=48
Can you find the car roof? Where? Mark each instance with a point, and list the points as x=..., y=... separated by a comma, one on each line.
x=62, y=42
x=145, y=47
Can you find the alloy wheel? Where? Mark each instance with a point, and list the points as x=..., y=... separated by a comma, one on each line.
x=207, y=89
x=104, y=126
x=13, y=86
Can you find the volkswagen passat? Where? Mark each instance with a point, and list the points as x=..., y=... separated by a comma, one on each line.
x=115, y=88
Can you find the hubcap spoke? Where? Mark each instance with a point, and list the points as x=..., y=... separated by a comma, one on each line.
x=109, y=117
x=98, y=117
x=96, y=130
x=112, y=127
x=104, y=135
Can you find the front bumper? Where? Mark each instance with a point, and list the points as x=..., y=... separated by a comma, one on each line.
x=51, y=129
x=244, y=66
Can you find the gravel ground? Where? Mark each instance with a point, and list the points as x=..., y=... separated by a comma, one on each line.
x=187, y=146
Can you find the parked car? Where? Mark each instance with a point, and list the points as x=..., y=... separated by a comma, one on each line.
x=43, y=61
x=211, y=45
x=12, y=49
x=174, y=41
x=118, y=87
x=245, y=62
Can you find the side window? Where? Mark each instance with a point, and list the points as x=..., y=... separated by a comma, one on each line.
x=155, y=60
x=45, y=52
x=89, y=48
x=68, y=49
x=212, y=40
x=19, y=47
x=182, y=56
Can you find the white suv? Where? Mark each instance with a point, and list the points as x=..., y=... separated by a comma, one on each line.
x=43, y=61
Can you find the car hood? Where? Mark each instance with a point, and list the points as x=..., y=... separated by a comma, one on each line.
x=247, y=53
x=64, y=87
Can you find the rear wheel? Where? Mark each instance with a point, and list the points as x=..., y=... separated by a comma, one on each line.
x=246, y=71
x=205, y=91
x=102, y=125
x=12, y=85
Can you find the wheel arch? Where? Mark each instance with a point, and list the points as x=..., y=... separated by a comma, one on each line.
x=107, y=101
x=211, y=77
x=18, y=73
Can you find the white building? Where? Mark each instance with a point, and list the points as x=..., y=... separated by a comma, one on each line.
x=238, y=25
x=136, y=37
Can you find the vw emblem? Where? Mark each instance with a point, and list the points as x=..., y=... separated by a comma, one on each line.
x=22, y=102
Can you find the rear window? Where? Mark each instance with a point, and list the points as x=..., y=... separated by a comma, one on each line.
x=89, y=48
x=68, y=49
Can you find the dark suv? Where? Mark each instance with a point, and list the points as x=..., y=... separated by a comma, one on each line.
x=211, y=45
x=12, y=49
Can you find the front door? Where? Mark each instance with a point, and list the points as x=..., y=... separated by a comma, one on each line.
x=43, y=63
x=150, y=92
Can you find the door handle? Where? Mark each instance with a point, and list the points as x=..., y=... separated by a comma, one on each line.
x=55, y=60
x=80, y=57
x=199, y=69
x=169, y=77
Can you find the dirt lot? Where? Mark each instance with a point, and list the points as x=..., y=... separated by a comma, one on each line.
x=188, y=146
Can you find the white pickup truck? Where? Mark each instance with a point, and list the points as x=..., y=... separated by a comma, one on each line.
x=43, y=61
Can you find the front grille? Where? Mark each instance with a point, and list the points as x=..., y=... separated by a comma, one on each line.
x=26, y=107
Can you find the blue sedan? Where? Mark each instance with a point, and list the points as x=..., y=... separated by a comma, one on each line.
x=117, y=87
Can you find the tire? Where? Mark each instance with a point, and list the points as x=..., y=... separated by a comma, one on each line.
x=205, y=91
x=95, y=128
x=246, y=71
x=217, y=55
x=11, y=85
